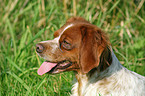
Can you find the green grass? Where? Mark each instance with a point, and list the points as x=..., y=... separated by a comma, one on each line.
x=23, y=23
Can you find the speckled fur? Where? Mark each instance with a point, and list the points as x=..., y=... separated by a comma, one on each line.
x=114, y=81
x=110, y=79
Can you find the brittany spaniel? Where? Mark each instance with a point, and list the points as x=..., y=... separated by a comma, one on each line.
x=83, y=48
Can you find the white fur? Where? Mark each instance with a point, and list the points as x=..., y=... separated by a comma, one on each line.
x=116, y=81
x=68, y=26
x=55, y=41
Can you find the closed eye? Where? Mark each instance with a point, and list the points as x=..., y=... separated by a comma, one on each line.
x=66, y=45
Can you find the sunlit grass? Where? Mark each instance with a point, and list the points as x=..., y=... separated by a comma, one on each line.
x=25, y=23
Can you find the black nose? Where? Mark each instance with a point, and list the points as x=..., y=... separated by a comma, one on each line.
x=39, y=48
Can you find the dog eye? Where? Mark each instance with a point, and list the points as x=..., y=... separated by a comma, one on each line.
x=66, y=45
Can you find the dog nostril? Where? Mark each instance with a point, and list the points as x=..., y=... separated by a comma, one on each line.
x=39, y=48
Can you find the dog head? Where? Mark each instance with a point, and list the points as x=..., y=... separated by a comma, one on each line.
x=77, y=46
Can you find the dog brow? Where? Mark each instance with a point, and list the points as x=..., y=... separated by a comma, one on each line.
x=66, y=28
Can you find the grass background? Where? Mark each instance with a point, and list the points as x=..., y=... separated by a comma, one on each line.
x=23, y=23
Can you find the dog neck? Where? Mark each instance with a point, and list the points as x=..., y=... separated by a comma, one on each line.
x=85, y=79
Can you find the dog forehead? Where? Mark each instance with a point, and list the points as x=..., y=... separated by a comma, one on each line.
x=67, y=27
x=60, y=31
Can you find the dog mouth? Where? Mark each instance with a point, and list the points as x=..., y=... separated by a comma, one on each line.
x=53, y=67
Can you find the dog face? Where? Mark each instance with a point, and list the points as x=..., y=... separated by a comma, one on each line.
x=77, y=46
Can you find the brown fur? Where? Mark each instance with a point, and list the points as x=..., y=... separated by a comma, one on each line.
x=94, y=43
x=85, y=49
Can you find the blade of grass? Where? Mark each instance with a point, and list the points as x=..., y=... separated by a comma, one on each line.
x=117, y=52
x=25, y=10
x=23, y=39
x=99, y=19
x=40, y=32
x=114, y=5
x=39, y=85
x=11, y=30
x=22, y=43
x=36, y=15
x=24, y=72
x=14, y=64
x=20, y=80
x=29, y=43
x=44, y=93
x=3, y=47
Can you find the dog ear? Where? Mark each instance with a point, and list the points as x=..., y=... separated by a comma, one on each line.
x=94, y=43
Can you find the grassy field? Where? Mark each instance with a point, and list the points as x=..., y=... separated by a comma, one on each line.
x=23, y=23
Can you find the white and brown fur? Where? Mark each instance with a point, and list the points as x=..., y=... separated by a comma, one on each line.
x=98, y=71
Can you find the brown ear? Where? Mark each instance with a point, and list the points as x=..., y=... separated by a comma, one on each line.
x=105, y=59
x=94, y=42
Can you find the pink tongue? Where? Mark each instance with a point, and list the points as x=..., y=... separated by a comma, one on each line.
x=45, y=67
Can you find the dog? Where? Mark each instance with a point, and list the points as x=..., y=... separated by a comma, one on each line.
x=84, y=48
